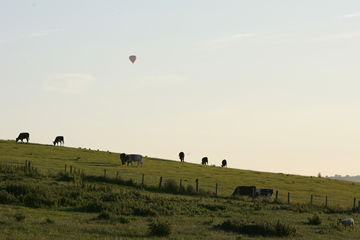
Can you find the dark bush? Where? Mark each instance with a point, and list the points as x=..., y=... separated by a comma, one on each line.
x=7, y=198
x=264, y=229
x=22, y=188
x=282, y=230
x=48, y=220
x=104, y=215
x=315, y=220
x=233, y=225
x=210, y=221
x=190, y=189
x=123, y=219
x=113, y=197
x=98, y=206
x=171, y=185
x=38, y=200
x=33, y=195
x=65, y=177
x=159, y=228
x=204, y=192
x=19, y=217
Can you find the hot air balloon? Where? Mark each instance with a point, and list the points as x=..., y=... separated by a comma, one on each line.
x=132, y=58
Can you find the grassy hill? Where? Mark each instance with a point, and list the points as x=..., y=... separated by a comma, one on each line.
x=51, y=159
x=57, y=198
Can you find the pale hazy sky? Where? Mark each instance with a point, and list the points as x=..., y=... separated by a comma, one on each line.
x=270, y=86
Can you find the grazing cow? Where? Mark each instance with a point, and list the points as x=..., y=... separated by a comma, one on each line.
x=131, y=158
x=223, y=163
x=245, y=191
x=59, y=139
x=182, y=156
x=347, y=222
x=204, y=161
x=264, y=193
x=22, y=136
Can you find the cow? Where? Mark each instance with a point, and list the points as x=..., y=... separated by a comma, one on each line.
x=264, y=193
x=251, y=191
x=245, y=191
x=204, y=161
x=131, y=158
x=182, y=157
x=223, y=163
x=22, y=136
x=59, y=139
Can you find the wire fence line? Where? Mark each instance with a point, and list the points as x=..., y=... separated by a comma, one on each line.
x=219, y=190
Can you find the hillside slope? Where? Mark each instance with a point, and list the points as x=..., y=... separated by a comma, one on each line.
x=45, y=202
x=53, y=159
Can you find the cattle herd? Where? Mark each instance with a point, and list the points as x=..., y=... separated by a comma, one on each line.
x=204, y=160
x=26, y=135
x=250, y=191
x=59, y=140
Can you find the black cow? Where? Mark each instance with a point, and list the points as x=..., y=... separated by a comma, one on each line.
x=249, y=191
x=22, y=136
x=204, y=161
x=223, y=163
x=59, y=139
x=182, y=156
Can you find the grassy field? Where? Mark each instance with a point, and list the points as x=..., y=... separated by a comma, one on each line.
x=44, y=202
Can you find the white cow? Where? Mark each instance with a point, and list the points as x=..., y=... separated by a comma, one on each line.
x=347, y=222
x=131, y=158
x=264, y=193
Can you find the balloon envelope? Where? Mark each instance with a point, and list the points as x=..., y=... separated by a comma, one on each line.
x=132, y=58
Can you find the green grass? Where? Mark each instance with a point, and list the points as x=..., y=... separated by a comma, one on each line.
x=44, y=202
x=52, y=159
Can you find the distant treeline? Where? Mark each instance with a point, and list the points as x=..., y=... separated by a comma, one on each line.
x=346, y=178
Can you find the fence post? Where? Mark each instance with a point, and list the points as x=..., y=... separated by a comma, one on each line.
x=197, y=185
x=216, y=190
x=326, y=202
x=117, y=174
x=70, y=168
x=288, y=197
x=277, y=192
x=65, y=167
x=160, y=182
x=180, y=185
x=142, y=182
x=104, y=173
x=311, y=199
x=29, y=163
x=354, y=202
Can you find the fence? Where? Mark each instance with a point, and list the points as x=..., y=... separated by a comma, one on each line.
x=217, y=190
